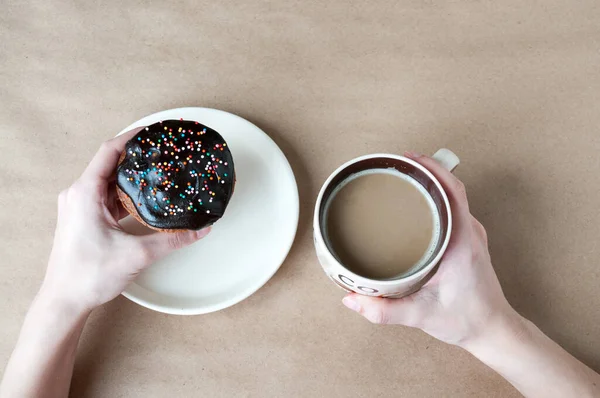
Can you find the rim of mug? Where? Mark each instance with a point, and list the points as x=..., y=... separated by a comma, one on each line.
x=387, y=282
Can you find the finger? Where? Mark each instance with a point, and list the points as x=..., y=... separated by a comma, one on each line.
x=122, y=210
x=160, y=244
x=403, y=311
x=62, y=198
x=114, y=203
x=105, y=160
x=454, y=188
x=451, y=184
x=480, y=231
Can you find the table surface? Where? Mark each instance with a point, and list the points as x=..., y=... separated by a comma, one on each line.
x=512, y=87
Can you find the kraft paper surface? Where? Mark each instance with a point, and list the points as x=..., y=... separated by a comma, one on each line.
x=512, y=87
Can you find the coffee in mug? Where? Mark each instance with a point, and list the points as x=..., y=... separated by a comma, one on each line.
x=382, y=223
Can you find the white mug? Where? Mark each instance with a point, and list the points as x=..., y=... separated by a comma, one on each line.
x=415, y=278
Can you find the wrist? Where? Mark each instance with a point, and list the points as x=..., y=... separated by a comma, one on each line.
x=50, y=299
x=501, y=330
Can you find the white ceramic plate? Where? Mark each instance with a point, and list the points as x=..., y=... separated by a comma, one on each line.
x=246, y=247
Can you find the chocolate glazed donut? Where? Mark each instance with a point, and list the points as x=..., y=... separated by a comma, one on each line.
x=176, y=175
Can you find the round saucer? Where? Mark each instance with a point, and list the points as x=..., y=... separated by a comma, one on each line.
x=246, y=247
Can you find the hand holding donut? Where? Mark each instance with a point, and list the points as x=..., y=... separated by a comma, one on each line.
x=93, y=259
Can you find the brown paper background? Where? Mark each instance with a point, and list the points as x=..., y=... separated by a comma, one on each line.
x=512, y=87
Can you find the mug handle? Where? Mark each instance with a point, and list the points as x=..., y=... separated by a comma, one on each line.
x=447, y=159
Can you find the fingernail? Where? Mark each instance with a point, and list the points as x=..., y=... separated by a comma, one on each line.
x=351, y=303
x=412, y=155
x=202, y=233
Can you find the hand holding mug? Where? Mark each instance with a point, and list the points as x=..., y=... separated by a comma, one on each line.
x=464, y=297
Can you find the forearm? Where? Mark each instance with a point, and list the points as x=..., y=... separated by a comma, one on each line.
x=533, y=363
x=42, y=363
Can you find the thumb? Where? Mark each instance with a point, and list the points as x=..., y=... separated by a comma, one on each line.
x=403, y=311
x=160, y=244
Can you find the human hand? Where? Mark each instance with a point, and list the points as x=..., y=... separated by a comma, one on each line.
x=464, y=297
x=93, y=259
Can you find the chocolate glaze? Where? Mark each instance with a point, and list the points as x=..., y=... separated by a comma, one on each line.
x=179, y=174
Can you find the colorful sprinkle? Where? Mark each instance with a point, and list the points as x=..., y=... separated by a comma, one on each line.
x=183, y=175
